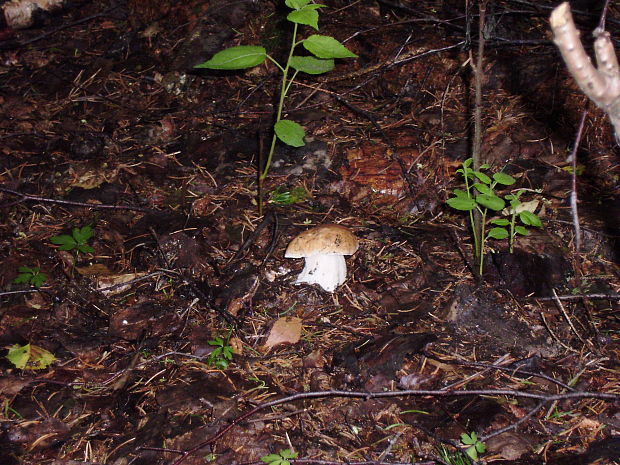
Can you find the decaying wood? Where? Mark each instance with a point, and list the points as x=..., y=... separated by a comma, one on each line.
x=600, y=84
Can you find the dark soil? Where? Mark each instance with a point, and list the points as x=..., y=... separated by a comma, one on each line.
x=106, y=123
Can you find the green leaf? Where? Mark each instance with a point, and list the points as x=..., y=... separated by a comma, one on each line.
x=480, y=447
x=65, y=242
x=84, y=248
x=327, y=47
x=461, y=203
x=23, y=278
x=483, y=188
x=281, y=458
x=460, y=194
x=38, y=279
x=485, y=166
x=490, y=201
x=240, y=57
x=295, y=195
x=467, y=439
x=288, y=454
x=30, y=357
x=498, y=233
x=530, y=219
x=500, y=222
x=504, y=179
x=467, y=163
x=30, y=275
x=311, y=65
x=296, y=4
x=290, y=133
x=482, y=177
x=19, y=355
x=580, y=169
x=472, y=453
x=522, y=230
x=217, y=341
x=82, y=235
x=306, y=15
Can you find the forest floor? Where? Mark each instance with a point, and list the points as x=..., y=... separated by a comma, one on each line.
x=170, y=329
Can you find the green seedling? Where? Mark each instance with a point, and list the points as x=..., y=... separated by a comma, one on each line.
x=284, y=197
x=523, y=211
x=323, y=50
x=559, y=414
x=475, y=447
x=32, y=276
x=30, y=357
x=8, y=410
x=222, y=354
x=78, y=240
x=281, y=458
x=453, y=458
x=480, y=195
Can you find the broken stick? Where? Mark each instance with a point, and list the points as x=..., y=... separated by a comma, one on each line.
x=600, y=84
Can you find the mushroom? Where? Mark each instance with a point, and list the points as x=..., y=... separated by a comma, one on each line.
x=324, y=248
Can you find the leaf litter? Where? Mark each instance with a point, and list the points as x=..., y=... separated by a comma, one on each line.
x=111, y=132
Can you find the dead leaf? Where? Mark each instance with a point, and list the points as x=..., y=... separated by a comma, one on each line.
x=286, y=330
x=106, y=284
x=237, y=345
x=510, y=446
x=97, y=269
x=11, y=385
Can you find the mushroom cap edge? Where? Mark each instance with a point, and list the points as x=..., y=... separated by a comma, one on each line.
x=325, y=239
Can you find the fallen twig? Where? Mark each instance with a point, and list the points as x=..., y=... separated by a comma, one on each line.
x=579, y=297
x=544, y=398
x=68, y=203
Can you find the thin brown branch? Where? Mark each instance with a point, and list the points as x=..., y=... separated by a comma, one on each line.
x=544, y=398
x=68, y=203
x=573, y=195
x=579, y=297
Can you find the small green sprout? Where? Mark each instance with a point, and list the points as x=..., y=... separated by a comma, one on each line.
x=475, y=447
x=280, y=458
x=7, y=410
x=222, y=355
x=523, y=211
x=480, y=195
x=78, y=240
x=453, y=458
x=32, y=276
x=284, y=197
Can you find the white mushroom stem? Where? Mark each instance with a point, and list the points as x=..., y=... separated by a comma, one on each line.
x=328, y=271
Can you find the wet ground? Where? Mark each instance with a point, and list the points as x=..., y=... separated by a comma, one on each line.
x=171, y=330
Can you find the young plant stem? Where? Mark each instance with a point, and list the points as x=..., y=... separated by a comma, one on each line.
x=483, y=219
x=513, y=219
x=472, y=218
x=284, y=88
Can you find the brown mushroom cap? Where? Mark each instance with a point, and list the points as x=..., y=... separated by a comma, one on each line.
x=326, y=239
